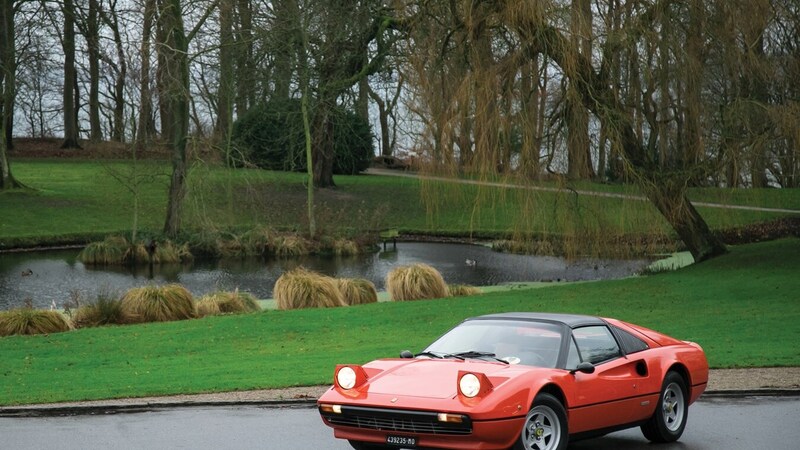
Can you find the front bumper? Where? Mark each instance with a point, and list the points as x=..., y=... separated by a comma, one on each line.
x=374, y=425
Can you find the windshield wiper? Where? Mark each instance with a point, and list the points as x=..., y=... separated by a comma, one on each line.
x=474, y=354
x=431, y=354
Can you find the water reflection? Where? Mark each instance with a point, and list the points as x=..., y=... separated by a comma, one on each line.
x=53, y=276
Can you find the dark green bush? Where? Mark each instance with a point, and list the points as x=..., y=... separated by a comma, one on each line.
x=271, y=136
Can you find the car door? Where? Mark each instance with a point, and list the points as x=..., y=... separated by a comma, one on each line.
x=612, y=395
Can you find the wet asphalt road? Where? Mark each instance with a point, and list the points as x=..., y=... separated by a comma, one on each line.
x=742, y=423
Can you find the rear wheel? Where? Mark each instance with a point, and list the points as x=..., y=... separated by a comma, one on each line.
x=545, y=426
x=669, y=420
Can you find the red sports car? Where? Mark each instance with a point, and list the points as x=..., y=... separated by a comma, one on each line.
x=522, y=381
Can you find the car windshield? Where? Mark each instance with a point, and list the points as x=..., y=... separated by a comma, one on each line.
x=514, y=341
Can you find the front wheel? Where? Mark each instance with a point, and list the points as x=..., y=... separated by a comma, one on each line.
x=669, y=420
x=545, y=426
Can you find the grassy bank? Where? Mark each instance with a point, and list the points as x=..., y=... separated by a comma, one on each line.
x=72, y=200
x=743, y=308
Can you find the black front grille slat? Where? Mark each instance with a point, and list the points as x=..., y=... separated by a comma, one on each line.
x=416, y=422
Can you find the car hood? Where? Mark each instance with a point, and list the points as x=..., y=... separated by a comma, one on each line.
x=431, y=378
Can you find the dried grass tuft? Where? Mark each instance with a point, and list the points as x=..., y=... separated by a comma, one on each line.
x=207, y=306
x=158, y=304
x=301, y=288
x=258, y=241
x=104, y=311
x=291, y=245
x=345, y=247
x=27, y=321
x=415, y=282
x=357, y=291
x=462, y=290
x=111, y=250
x=227, y=303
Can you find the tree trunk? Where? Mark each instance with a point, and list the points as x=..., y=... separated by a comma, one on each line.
x=8, y=72
x=245, y=77
x=304, y=82
x=694, y=74
x=146, y=127
x=118, y=127
x=383, y=120
x=8, y=68
x=757, y=89
x=70, y=79
x=286, y=20
x=578, y=150
x=93, y=41
x=175, y=81
x=225, y=92
x=7, y=180
x=323, y=153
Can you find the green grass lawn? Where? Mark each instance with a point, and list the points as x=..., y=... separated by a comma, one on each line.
x=78, y=200
x=743, y=308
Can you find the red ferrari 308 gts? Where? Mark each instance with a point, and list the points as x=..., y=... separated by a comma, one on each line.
x=521, y=381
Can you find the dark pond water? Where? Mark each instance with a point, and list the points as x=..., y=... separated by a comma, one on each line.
x=44, y=278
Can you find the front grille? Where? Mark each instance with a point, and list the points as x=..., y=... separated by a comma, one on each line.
x=417, y=422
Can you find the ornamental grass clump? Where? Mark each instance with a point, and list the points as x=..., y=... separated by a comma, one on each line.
x=158, y=304
x=301, y=288
x=167, y=252
x=415, y=282
x=104, y=311
x=291, y=245
x=207, y=306
x=227, y=303
x=462, y=290
x=258, y=242
x=32, y=321
x=344, y=247
x=357, y=291
x=111, y=250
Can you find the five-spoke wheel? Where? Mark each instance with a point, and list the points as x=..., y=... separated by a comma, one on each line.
x=669, y=420
x=545, y=426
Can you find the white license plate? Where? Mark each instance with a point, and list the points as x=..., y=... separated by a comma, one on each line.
x=401, y=441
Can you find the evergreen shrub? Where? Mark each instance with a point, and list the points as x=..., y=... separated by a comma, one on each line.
x=271, y=136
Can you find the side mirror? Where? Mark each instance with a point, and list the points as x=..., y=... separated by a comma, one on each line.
x=584, y=367
x=405, y=354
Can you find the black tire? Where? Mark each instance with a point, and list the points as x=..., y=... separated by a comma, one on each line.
x=366, y=446
x=545, y=426
x=671, y=413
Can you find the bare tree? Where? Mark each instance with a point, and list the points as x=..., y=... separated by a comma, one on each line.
x=173, y=50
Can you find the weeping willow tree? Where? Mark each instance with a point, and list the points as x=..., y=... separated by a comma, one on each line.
x=505, y=89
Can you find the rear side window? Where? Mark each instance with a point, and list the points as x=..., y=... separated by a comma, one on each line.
x=596, y=344
x=629, y=342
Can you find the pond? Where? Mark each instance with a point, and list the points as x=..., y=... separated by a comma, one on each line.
x=43, y=278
